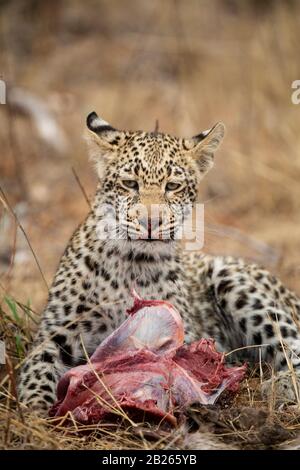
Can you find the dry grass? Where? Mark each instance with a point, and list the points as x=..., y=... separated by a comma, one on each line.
x=188, y=64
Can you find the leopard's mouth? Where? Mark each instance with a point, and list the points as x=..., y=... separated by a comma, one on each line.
x=152, y=240
x=154, y=237
x=155, y=240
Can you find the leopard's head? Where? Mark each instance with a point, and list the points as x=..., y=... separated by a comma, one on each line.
x=148, y=180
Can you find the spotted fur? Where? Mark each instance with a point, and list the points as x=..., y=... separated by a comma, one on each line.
x=237, y=304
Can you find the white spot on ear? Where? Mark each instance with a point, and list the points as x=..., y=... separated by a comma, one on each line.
x=204, y=133
x=98, y=122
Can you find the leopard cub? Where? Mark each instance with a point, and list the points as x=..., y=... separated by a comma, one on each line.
x=236, y=303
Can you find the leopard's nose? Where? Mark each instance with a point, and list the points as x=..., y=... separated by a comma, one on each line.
x=145, y=223
x=150, y=225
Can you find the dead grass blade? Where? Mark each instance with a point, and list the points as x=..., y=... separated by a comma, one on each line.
x=6, y=204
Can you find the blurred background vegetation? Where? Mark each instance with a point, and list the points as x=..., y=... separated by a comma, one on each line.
x=186, y=63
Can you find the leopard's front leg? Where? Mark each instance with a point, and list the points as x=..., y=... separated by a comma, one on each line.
x=40, y=373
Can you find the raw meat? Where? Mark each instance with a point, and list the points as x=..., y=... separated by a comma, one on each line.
x=143, y=366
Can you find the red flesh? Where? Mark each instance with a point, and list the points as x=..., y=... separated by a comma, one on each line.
x=144, y=366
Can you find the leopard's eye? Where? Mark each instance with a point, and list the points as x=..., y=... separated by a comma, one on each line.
x=131, y=184
x=172, y=186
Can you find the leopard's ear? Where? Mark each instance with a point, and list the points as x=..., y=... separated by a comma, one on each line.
x=102, y=132
x=203, y=146
x=103, y=141
x=97, y=125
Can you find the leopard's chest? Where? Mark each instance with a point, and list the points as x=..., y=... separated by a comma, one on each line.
x=115, y=298
x=110, y=294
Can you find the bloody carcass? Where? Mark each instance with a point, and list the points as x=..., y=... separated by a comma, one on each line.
x=143, y=366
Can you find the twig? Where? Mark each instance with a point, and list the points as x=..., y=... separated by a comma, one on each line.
x=81, y=187
x=14, y=391
x=234, y=233
x=246, y=347
x=7, y=204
